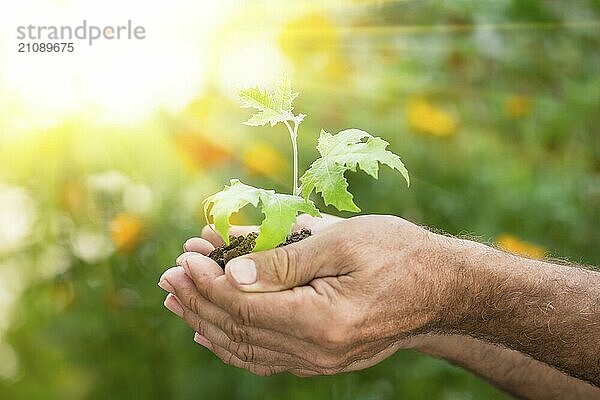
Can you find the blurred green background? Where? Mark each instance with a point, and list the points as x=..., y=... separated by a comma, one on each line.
x=494, y=106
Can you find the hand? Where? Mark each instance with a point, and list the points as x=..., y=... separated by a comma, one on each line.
x=343, y=299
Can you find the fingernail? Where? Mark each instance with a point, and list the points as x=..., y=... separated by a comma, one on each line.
x=243, y=270
x=173, y=305
x=201, y=340
x=165, y=285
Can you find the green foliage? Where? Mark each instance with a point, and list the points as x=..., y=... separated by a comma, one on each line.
x=220, y=206
x=346, y=151
x=96, y=330
x=280, y=211
x=272, y=107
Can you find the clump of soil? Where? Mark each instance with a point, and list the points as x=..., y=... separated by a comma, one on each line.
x=240, y=245
x=296, y=236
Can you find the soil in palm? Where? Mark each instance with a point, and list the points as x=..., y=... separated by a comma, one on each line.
x=240, y=245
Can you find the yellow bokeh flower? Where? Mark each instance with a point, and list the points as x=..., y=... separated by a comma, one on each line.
x=518, y=106
x=337, y=68
x=312, y=33
x=264, y=159
x=126, y=231
x=426, y=118
x=515, y=245
x=312, y=42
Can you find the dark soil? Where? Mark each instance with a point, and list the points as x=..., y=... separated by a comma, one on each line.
x=240, y=245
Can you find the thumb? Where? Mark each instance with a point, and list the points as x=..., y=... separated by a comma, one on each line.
x=281, y=268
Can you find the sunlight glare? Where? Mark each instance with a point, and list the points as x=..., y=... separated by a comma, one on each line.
x=118, y=81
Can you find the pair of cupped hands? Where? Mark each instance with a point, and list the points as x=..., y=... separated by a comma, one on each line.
x=343, y=299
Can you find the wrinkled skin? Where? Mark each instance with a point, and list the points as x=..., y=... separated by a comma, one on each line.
x=357, y=290
x=320, y=306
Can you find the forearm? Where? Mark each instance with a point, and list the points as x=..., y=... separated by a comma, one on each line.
x=547, y=311
x=509, y=370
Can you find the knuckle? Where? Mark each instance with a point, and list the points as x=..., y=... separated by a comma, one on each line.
x=243, y=351
x=233, y=330
x=191, y=319
x=200, y=327
x=242, y=312
x=228, y=359
x=208, y=291
x=195, y=304
x=285, y=263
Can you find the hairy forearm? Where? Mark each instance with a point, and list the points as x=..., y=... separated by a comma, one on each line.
x=509, y=370
x=550, y=312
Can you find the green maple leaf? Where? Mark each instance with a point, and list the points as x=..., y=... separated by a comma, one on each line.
x=228, y=201
x=342, y=152
x=280, y=211
x=272, y=107
x=283, y=98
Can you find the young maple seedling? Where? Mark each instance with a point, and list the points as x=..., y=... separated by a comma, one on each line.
x=345, y=151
